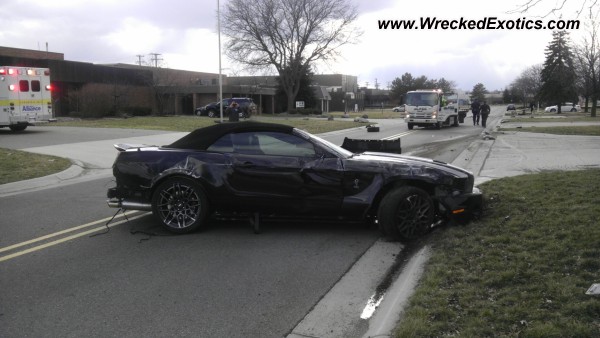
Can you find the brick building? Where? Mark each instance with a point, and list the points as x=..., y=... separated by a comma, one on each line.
x=86, y=89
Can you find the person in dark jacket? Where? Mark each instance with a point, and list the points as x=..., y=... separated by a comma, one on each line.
x=233, y=111
x=475, y=112
x=485, y=112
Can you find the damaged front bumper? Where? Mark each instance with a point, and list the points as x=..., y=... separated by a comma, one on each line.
x=463, y=208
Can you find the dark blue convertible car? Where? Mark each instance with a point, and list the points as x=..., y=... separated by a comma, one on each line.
x=272, y=170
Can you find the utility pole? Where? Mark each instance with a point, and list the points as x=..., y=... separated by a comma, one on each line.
x=155, y=59
x=139, y=62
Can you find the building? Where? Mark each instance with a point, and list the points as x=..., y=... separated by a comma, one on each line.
x=92, y=90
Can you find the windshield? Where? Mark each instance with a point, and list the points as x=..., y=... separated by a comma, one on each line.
x=332, y=148
x=421, y=99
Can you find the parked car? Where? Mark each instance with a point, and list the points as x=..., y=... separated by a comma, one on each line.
x=204, y=110
x=567, y=107
x=272, y=170
x=246, y=105
x=400, y=108
x=511, y=107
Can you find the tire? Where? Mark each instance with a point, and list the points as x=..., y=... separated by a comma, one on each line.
x=455, y=121
x=18, y=127
x=405, y=213
x=553, y=110
x=211, y=114
x=573, y=110
x=180, y=204
x=410, y=126
x=438, y=125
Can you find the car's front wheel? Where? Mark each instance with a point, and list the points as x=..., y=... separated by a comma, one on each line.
x=212, y=113
x=405, y=213
x=181, y=205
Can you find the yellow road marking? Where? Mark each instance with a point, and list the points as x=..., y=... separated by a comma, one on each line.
x=62, y=240
x=62, y=232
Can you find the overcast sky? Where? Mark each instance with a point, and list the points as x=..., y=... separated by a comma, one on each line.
x=184, y=32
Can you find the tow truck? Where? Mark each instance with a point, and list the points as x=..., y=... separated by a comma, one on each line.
x=428, y=108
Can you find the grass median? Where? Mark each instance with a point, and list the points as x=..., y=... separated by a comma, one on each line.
x=313, y=125
x=520, y=271
x=18, y=165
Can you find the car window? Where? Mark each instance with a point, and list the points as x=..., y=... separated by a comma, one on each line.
x=222, y=145
x=264, y=143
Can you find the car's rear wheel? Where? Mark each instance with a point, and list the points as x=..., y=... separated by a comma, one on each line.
x=405, y=213
x=573, y=110
x=553, y=110
x=180, y=204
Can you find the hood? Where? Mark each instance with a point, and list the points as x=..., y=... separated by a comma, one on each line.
x=377, y=158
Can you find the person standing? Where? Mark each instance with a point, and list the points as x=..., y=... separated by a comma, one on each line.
x=475, y=112
x=485, y=112
x=233, y=112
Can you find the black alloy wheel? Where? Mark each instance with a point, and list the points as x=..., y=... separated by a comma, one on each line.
x=181, y=205
x=406, y=213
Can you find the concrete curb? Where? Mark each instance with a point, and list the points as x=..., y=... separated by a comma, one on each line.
x=67, y=176
x=338, y=313
x=390, y=310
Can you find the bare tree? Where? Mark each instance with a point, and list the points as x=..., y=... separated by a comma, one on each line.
x=528, y=84
x=289, y=35
x=557, y=7
x=160, y=82
x=587, y=62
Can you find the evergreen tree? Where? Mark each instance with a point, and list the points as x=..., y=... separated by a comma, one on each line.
x=478, y=93
x=558, y=72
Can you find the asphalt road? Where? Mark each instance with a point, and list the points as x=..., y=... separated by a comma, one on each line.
x=222, y=282
x=62, y=274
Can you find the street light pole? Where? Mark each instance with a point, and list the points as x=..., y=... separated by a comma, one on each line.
x=220, y=75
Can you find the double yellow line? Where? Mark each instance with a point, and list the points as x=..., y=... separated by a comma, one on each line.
x=65, y=239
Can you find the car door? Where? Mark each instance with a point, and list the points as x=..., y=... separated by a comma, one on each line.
x=282, y=173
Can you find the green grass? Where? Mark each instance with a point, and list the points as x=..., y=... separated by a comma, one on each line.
x=560, y=130
x=189, y=123
x=520, y=271
x=18, y=165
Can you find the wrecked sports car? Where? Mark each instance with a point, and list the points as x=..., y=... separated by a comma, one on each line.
x=271, y=170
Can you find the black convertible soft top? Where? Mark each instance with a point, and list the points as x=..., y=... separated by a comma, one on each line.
x=202, y=138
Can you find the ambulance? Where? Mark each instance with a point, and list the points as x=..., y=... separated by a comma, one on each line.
x=25, y=97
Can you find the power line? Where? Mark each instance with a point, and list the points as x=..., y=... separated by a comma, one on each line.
x=155, y=59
